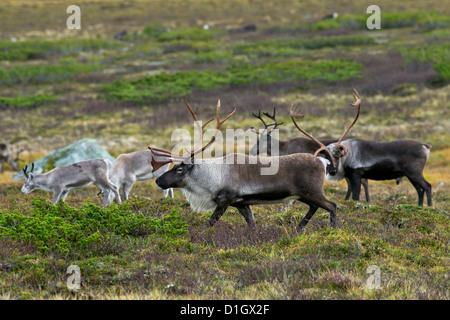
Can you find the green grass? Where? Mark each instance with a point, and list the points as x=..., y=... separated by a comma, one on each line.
x=165, y=86
x=26, y=100
x=286, y=48
x=437, y=55
x=43, y=49
x=44, y=73
x=389, y=20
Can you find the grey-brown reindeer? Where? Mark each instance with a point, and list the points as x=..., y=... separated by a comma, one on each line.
x=6, y=155
x=217, y=183
x=63, y=179
x=296, y=145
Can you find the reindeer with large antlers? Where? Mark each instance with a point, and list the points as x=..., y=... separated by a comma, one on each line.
x=217, y=183
x=296, y=145
x=359, y=159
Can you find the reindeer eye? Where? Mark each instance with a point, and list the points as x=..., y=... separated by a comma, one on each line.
x=180, y=170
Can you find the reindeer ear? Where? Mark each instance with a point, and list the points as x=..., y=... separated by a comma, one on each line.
x=339, y=151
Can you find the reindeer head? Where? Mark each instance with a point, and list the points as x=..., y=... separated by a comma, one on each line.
x=176, y=177
x=264, y=145
x=338, y=149
x=29, y=184
x=334, y=151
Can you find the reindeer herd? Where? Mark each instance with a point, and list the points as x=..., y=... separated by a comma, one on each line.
x=214, y=184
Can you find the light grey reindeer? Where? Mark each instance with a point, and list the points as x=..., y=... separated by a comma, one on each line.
x=217, y=183
x=6, y=155
x=132, y=167
x=63, y=179
x=295, y=145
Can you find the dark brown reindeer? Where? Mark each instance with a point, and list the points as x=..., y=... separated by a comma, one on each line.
x=240, y=181
x=6, y=155
x=366, y=159
x=296, y=145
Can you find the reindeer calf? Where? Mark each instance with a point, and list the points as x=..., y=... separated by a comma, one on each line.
x=64, y=179
x=132, y=167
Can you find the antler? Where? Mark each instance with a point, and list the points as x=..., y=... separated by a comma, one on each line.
x=219, y=124
x=260, y=118
x=356, y=103
x=25, y=170
x=296, y=114
x=195, y=150
x=275, y=123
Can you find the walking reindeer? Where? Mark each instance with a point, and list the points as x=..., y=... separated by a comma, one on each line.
x=63, y=179
x=366, y=159
x=295, y=145
x=217, y=183
x=132, y=167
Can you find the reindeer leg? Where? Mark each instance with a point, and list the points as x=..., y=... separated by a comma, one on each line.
x=248, y=215
x=1, y=166
x=223, y=201
x=64, y=195
x=312, y=210
x=365, y=184
x=126, y=188
x=422, y=186
x=355, y=179
x=323, y=203
x=349, y=188
x=56, y=195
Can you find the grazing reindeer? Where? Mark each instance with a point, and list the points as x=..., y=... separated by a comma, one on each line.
x=366, y=159
x=132, y=167
x=63, y=179
x=295, y=145
x=217, y=183
x=7, y=156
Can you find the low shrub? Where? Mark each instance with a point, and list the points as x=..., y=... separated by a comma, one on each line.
x=42, y=49
x=70, y=231
x=26, y=100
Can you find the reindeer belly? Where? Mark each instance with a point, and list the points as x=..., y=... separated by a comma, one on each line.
x=78, y=185
x=383, y=170
x=266, y=198
x=144, y=177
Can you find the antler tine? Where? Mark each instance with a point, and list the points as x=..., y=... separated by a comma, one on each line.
x=356, y=103
x=194, y=114
x=260, y=118
x=25, y=171
x=32, y=167
x=296, y=114
x=273, y=117
x=219, y=124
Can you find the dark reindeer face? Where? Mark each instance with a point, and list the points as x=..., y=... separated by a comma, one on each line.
x=338, y=152
x=177, y=177
x=262, y=145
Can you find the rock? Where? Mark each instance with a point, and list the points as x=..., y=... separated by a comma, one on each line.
x=84, y=149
